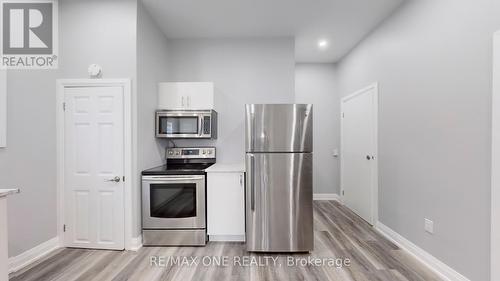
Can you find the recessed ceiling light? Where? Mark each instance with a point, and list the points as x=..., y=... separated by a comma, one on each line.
x=322, y=44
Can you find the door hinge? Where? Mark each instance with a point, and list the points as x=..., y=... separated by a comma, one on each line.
x=64, y=228
x=343, y=193
x=64, y=106
x=343, y=115
x=123, y=178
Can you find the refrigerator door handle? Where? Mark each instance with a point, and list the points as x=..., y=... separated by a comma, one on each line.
x=252, y=139
x=252, y=183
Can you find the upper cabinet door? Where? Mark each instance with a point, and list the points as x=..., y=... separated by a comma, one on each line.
x=186, y=95
x=170, y=96
x=279, y=128
x=200, y=95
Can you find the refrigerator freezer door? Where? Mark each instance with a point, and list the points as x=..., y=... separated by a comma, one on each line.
x=279, y=202
x=279, y=128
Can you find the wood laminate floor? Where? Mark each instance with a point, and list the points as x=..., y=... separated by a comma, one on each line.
x=339, y=235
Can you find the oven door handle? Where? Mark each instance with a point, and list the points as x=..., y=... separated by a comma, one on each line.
x=163, y=178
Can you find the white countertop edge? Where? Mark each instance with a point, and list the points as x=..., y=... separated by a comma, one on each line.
x=226, y=168
x=7, y=192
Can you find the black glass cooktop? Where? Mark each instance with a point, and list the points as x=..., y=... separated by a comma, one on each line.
x=178, y=169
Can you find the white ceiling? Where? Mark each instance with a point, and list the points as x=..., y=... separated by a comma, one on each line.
x=342, y=22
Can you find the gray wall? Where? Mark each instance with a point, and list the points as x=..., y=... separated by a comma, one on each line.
x=29, y=161
x=92, y=31
x=96, y=31
x=151, y=68
x=433, y=60
x=255, y=70
x=316, y=83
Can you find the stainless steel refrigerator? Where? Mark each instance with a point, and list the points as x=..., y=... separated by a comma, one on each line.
x=279, y=146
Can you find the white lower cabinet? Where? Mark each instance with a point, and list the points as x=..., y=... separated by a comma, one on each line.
x=226, y=206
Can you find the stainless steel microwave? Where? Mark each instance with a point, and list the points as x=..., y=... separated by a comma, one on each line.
x=186, y=124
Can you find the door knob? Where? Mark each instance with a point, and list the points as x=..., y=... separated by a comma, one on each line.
x=368, y=157
x=115, y=179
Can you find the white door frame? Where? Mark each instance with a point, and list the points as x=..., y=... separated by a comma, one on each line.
x=61, y=84
x=3, y=108
x=495, y=162
x=374, y=87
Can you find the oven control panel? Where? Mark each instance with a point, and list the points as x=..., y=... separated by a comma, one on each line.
x=190, y=153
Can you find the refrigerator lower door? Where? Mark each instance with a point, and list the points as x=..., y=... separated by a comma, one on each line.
x=279, y=211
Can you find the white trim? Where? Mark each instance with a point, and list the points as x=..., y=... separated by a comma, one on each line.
x=129, y=156
x=439, y=267
x=326, y=196
x=135, y=243
x=34, y=254
x=227, y=238
x=375, y=87
x=495, y=162
x=3, y=108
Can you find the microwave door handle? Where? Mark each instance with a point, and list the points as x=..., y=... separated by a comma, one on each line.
x=200, y=126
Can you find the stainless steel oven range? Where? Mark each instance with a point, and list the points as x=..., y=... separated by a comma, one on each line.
x=173, y=198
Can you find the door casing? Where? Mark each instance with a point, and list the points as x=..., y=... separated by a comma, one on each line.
x=3, y=108
x=374, y=178
x=129, y=152
x=495, y=163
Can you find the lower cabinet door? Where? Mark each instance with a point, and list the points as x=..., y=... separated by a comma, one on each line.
x=226, y=206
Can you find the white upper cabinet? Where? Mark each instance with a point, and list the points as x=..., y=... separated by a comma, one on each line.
x=186, y=95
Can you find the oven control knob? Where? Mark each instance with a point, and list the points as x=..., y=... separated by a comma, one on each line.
x=209, y=151
x=170, y=152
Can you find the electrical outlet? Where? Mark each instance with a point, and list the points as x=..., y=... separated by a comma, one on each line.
x=429, y=226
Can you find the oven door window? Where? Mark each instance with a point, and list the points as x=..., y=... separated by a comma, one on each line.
x=173, y=200
x=179, y=125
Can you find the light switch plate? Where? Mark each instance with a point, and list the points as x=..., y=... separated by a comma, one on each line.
x=429, y=226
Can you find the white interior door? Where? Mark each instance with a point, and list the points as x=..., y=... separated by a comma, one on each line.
x=94, y=167
x=358, y=155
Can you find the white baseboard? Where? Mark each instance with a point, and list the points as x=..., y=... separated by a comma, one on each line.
x=227, y=238
x=326, y=196
x=33, y=254
x=136, y=243
x=439, y=267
